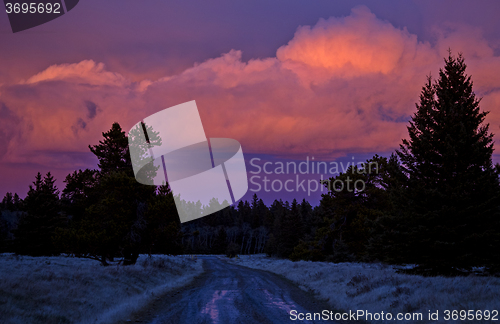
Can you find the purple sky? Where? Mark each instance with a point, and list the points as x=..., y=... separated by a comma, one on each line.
x=156, y=54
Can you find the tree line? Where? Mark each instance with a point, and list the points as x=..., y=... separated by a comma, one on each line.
x=434, y=203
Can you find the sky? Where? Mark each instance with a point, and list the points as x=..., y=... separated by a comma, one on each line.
x=290, y=80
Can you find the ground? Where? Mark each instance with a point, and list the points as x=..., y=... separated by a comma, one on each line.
x=376, y=287
x=72, y=290
x=216, y=289
x=227, y=293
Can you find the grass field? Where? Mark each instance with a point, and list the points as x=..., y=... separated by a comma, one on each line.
x=377, y=287
x=61, y=290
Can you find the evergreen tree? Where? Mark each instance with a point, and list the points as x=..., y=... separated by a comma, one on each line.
x=10, y=212
x=113, y=152
x=80, y=187
x=345, y=217
x=255, y=216
x=271, y=247
x=453, y=188
x=37, y=226
x=18, y=202
x=163, y=233
x=388, y=204
x=109, y=207
x=278, y=214
x=4, y=228
x=11, y=202
x=8, y=202
x=291, y=231
x=220, y=243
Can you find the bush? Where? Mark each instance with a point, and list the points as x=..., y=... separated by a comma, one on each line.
x=271, y=247
x=308, y=251
x=232, y=250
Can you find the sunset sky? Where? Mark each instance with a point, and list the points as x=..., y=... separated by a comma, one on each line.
x=287, y=79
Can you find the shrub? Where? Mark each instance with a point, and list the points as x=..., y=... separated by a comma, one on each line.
x=232, y=250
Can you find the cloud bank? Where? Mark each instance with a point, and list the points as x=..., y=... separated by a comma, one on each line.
x=345, y=85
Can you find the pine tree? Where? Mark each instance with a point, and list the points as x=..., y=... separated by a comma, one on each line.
x=109, y=206
x=453, y=187
x=220, y=243
x=8, y=202
x=277, y=210
x=254, y=214
x=80, y=187
x=18, y=202
x=163, y=233
x=113, y=152
x=354, y=202
x=259, y=212
x=291, y=231
x=4, y=228
x=36, y=228
x=271, y=247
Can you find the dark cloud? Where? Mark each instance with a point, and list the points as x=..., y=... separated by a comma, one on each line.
x=82, y=124
x=7, y=114
x=91, y=108
x=9, y=122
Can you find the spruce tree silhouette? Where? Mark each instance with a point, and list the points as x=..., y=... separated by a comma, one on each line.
x=37, y=226
x=452, y=193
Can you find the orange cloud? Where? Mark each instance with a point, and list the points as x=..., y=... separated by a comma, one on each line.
x=355, y=45
x=341, y=86
x=86, y=71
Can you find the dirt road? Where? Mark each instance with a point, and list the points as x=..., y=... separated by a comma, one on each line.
x=228, y=293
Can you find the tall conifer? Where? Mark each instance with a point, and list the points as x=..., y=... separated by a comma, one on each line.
x=453, y=187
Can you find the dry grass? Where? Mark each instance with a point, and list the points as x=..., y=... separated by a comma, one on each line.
x=377, y=287
x=71, y=290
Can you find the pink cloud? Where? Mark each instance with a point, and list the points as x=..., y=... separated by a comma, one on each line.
x=355, y=45
x=341, y=86
x=86, y=71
